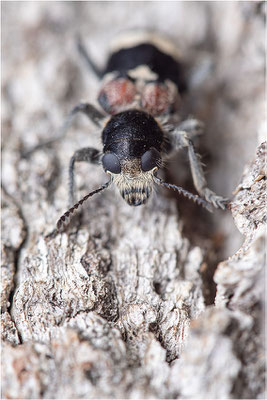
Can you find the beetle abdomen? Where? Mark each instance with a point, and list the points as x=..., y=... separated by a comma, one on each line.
x=162, y=66
x=142, y=72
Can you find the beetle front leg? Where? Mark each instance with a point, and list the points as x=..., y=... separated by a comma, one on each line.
x=180, y=139
x=87, y=154
x=88, y=109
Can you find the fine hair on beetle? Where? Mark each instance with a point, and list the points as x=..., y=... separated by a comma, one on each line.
x=140, y=93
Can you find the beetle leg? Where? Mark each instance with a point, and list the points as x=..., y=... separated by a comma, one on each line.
x=88, y=109
x=84, y=54
x=87, y=154
x=181, y=139
x=192, y=126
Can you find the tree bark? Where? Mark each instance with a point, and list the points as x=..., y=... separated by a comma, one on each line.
x=123, y=303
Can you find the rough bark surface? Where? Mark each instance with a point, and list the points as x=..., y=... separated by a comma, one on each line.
x=123, y=303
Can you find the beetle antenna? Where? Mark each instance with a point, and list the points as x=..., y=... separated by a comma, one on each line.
x=185, y=193
x=63, y=219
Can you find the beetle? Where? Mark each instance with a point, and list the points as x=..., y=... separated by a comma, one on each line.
x=141, y=90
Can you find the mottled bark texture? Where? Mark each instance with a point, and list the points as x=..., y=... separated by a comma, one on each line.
x=123, y=304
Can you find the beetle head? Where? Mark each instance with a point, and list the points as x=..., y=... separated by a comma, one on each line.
x=133, y=177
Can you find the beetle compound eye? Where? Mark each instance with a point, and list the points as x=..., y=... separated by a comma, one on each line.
x=111, y=163
x=150, y=159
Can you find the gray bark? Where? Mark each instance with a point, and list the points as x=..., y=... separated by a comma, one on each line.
x=123, y=303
